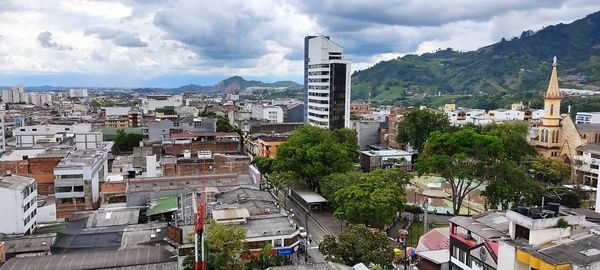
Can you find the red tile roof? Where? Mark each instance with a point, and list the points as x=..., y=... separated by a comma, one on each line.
x=435, y=239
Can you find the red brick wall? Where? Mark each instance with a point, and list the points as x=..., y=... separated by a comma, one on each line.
x=42, y=170
x=18, y=167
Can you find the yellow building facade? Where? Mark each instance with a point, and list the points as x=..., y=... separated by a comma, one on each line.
x=557, y=135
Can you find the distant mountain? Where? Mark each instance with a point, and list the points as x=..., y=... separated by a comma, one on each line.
x=236, y=83
x=507, y=67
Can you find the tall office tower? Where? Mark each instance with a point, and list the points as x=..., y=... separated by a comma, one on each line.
x=326, y=84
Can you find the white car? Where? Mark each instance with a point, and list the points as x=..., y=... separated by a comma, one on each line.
x=302, y=231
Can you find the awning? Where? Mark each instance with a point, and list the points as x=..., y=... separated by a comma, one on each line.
x=537, y=263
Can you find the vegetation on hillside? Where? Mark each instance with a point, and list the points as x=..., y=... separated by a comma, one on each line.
x=494, y=73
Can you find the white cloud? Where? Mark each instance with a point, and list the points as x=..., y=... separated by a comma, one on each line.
x=251, y=38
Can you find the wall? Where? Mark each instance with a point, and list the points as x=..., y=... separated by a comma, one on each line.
x=215, y=147
x=42, y=170
x=367, y=133
x=506, y=256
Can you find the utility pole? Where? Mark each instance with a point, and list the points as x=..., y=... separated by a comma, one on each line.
x=425, y=218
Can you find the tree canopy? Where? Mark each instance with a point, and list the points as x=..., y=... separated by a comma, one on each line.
x=312, y=153
x=550, y=171
x=358, y=244
x=513, y=137
x=369, y=198
x=464, y=159
x=417, y=125
x=225, y=245
x=125, y=142
x=374, y=202
x=512, y=187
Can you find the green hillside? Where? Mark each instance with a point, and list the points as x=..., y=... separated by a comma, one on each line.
x=506, y=69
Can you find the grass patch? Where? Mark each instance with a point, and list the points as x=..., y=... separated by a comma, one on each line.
x=416, y=231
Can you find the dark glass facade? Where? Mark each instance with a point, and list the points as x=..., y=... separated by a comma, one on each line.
x=337, y=96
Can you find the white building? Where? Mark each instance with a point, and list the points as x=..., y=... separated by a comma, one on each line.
x=586, y=164
x=84, y=138
x=327, y=84
x=116, y=111
x=78, y=93
x=507, y=115
x=587, y=118
x=2, y=131
x=271, y=113
x=77, y=181
x=18, y=204
x=151, y=102
x=39, y=99
x=15, y=95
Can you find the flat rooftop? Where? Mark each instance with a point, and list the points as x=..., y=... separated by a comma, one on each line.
x=387, y=152
x=81, y=157
x=20, y=153
x=487, y=225
x=268, y=226
x=15, y=182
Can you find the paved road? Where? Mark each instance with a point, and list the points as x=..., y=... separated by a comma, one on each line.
x=316, y=231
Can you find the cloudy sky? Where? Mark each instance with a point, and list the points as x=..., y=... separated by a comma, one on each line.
x=162, y=43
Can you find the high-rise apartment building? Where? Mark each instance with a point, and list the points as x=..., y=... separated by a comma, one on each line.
x=326, y=84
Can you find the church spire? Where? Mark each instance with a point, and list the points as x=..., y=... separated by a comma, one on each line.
x=553, y=91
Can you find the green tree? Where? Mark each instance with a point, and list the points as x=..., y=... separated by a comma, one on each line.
x=125, y=142
x=336, y=181
x=550, y=171
x=511, y=187
x=189, y=262
x=464, y=159
x=417, y=125
x=312, y=153
x=513, y=136
x=373, y=200
x=264, y=164
x=281, y=180
x=225, y=245
x=358, y=244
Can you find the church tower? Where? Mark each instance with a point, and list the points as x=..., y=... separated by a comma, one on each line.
x=550, y=130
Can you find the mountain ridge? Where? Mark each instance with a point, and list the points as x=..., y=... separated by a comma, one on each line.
x=519, y=65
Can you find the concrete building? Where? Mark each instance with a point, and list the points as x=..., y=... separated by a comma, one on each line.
x=15, y=95
x=372, y=159
x=2, y=134
x=587, y=118
x=82, y=134
x=152, y=102
x=264, y=220
x=327, y=84
x=367, y=133
x=36, y=163
x=18, y=204
x=506, y=115
x=585, y=167
x=270, y=113
x=267, y=145
x=116, y=111
x=39, y=99
x=116, y=122
x=78, y=93
x=77, y=181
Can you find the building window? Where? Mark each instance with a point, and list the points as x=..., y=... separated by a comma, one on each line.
x=64, y=189
x=78, y=188
x=551, y=109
